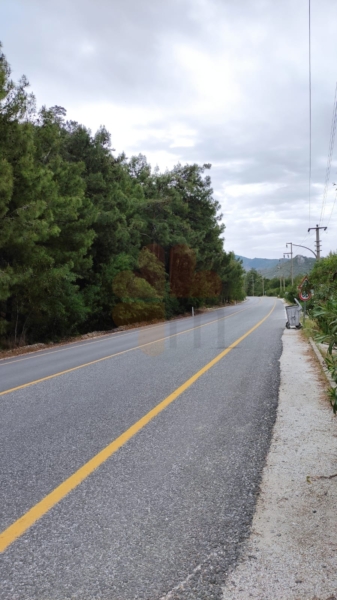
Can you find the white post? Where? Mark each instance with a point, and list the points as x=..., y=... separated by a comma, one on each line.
x=192, y=311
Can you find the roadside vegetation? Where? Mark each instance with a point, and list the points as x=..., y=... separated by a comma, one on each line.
x=257, y=285
x=90, y=240
x=321, y=309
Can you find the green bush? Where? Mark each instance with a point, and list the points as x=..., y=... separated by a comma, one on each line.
x=325, y=312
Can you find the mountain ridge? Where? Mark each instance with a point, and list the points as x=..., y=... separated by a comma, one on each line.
x=274, y=267
x=258, y=263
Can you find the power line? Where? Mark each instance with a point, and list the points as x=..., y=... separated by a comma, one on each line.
x=304, y=238
x=330, y=154
x=333, y=206
x=309, y=110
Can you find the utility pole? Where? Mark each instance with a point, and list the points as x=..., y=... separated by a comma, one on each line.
x=285, y=255
x=281, y=275
x=291, y=254
x=253, y=283
x=318, y=242
x=279, y=270
x=306, y=247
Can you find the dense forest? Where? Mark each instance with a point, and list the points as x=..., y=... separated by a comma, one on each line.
x=90, y=240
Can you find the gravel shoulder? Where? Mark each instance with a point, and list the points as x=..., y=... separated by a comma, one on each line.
x=291, y=553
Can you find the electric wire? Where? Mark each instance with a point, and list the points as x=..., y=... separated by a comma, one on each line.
x=304, y=238
x=309, y=112
x=330, y=154
x=333, y=206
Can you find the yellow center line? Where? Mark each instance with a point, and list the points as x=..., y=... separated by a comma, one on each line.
x=19, y=527
x=77, y=344
x=102, y=338
x=93, y=362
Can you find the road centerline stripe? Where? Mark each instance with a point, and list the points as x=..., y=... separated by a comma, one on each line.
x=64, y=347
x=21, y=525
x=97, y=360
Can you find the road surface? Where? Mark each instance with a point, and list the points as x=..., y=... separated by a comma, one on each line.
x=130, y=463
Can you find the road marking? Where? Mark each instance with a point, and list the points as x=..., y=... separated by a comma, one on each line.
x=93, y=362
x=19, y=527
x=78, y=344
x=102, y=338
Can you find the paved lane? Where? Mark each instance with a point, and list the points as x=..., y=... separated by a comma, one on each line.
x=177, y=495
x=30, y=367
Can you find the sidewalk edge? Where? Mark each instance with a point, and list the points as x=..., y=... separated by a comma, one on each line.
x=322, y=363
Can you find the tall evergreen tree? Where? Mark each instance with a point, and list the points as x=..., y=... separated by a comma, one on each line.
x=76, y=222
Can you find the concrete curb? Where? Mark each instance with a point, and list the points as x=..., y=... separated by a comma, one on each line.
x=322, y=363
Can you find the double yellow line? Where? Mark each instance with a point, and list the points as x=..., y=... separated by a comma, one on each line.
x=19, y=527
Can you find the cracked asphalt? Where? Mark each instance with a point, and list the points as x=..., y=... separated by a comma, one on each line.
x=165, y=515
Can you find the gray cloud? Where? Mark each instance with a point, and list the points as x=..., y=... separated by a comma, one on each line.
x=198, y=81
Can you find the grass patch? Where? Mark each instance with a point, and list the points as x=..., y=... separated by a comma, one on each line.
x=310, y=327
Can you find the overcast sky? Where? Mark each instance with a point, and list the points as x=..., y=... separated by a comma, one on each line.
x=208, y=81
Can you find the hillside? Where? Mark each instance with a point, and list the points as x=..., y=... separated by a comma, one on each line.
x=258, y=263
x=273, y=267
x=301, y=266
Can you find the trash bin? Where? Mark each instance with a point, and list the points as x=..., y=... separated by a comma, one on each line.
x=293, y=316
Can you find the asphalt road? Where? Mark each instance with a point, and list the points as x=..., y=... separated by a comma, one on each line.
x=164, y=512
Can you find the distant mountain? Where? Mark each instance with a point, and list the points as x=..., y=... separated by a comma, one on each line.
x=301, y=266
x=258, y=263
x=273, y=267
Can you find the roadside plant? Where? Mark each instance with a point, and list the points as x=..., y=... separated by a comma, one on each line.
x=331, y=362
x=326, y=315
x=332, y=393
